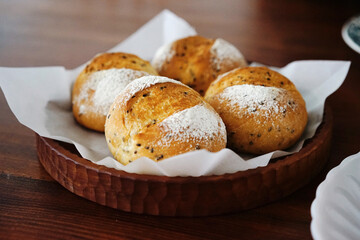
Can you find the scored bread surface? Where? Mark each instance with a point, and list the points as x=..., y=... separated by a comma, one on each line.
x=100, y=81
x=154, y=117
x=197, y=61
x=262, y=109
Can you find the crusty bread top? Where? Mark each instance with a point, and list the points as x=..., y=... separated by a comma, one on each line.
x=158, y=117
x=262, y=109
x=116, y=60
x=99, y=83
x=261, y=76
x=130, y=101
x=196, y=61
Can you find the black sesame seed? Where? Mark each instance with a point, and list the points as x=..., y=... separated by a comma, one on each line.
x=232, y=133
x=138, y=144
x=270, y=128
x=197, y=147
x=133, y=61
x=268, y=79
x=251, y=143
x=127, y=111
x=109, y=141
x=259, y=135
x=124, y=57
x=282, y=83
x=293, y=130
x=183, y=54
x=135, y=152
x=186, y=93
x=251, y=134
x=152, y=150
x=147, y=147
x=133, y=96
x=160, y=157
x=154, y=121
x=201, y=91
x=109, y=116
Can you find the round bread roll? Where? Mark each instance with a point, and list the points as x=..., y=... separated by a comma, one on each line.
x=100, y=82
x=197, y=61
x=157, y=117
x=262, y=109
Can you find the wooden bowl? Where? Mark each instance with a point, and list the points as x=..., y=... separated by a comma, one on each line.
x=186, y=196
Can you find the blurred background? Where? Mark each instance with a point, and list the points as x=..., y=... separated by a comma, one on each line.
x=30, y=30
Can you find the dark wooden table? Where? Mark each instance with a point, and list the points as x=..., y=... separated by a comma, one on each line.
x=67, y=33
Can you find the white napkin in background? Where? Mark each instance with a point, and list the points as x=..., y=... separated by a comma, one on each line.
x=40, y=98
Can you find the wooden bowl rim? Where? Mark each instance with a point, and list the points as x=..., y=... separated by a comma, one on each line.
x=309, y=146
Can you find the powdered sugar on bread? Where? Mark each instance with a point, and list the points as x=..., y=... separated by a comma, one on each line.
x=223, y=52
x=143, y=83
x=163, y=54
x=105, y=86
x=267, y=101
x=198, y=122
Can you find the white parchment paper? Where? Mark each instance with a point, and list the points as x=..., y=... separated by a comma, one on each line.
x=40, y=98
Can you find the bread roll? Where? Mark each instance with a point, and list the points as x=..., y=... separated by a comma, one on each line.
x=197, y=61
x=157, y=117
x=100, y=82
x=262, y=109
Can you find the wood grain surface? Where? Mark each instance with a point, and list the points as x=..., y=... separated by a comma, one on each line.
x=68, y=33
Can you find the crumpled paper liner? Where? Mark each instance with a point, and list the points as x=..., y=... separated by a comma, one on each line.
x=40, y=98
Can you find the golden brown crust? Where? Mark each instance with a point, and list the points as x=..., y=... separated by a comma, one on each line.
x=134, y=128
x=92, y=118
x=192, y=62
x=259, y=130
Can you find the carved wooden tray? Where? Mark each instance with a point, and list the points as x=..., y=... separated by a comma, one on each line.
x=186, y=196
